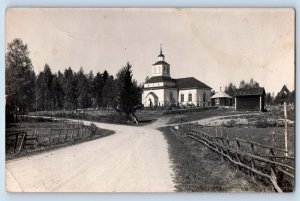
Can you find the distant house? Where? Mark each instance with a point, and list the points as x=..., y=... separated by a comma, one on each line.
x=250, y=99
x=162, y=90
x=221, y=99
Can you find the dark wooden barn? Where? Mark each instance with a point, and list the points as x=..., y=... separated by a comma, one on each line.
x=250, y=99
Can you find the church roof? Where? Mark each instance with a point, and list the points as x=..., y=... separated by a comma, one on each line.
x=221, y=94
x=159, y=79
x=190, y=82
x=160, y=62
x=181, y=83
x=161, y=54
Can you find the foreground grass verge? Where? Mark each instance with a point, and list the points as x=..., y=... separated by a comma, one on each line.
x=198, y=169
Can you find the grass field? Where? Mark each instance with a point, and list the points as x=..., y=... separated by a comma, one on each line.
x=198, y=169
x=193, y=116
x=103, y=116
x=271, y=136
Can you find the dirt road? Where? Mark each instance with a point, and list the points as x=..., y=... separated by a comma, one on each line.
x=134, y=159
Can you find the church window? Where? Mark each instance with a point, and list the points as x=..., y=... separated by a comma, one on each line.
x=204, y=97
x=190, y=97
x=182, y=97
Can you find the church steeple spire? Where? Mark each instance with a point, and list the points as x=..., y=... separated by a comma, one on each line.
x=160, y=49
x=161, y=56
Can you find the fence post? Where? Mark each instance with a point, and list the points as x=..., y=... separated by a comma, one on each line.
x=252, y=166
x=237, y=153
x=59, y=135
x=50, y=137
x=221, y=150
x=252, y=147
x=273, y=138
x=222, y=131
x=66, y=135
x=285, y=129
x=16, y=141
x=228, y=142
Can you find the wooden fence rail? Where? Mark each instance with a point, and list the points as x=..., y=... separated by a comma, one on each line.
x=270, y=167
x=18, y=138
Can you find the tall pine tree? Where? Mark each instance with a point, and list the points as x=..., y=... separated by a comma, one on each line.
x=129, y=94
x=19, y=79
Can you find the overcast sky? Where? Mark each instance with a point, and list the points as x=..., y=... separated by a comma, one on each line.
x=216, y=46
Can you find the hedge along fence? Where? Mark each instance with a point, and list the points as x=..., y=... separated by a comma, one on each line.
x=46, y=135
x=257, y=159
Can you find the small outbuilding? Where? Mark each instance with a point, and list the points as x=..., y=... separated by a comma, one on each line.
x=252, y=99
x=221, y=99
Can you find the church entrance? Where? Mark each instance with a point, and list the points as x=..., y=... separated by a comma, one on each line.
x=151, y=100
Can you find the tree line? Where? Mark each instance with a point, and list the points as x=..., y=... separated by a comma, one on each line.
x=72, y=90
x=25, y=91
x=283, y=96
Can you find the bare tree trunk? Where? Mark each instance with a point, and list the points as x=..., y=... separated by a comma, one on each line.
x=135, y=119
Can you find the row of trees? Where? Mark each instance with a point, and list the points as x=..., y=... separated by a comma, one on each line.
x=72, y=90
x=283, y=96
x=69, y=90
x=231, y=89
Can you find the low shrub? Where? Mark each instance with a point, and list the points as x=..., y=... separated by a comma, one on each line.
x=262, y=124
x=93, y=129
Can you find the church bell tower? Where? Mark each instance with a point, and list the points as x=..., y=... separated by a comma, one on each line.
x=161, y=67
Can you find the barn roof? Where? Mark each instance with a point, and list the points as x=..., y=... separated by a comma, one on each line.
x=159, y=79
x=190, y=82
x=221, y=94
x=250, y=92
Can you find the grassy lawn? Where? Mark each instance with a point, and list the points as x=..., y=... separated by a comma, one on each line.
x=198, y=169
x=193, y=116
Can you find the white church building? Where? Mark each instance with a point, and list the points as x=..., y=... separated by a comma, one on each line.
x=162, y=90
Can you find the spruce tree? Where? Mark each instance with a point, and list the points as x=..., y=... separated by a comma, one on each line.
x=129, y=93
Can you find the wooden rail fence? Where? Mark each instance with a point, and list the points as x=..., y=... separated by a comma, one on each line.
x=258, y=159
x=19, y=138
